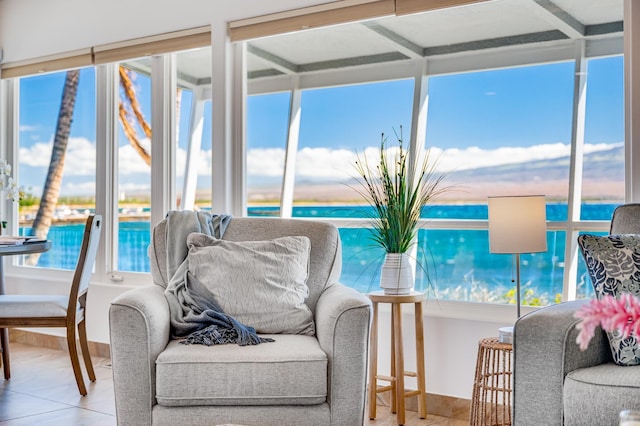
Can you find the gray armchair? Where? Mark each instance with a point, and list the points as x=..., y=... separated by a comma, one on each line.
x=557, y=384
x=298, y=379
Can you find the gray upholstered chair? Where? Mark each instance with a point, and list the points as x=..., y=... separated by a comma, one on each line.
x=557, y=384
x=296, y=380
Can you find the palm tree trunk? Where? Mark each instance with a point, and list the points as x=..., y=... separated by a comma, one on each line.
x=51, y=191
x=127, y=121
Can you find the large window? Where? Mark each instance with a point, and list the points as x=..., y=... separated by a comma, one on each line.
x=193, y=129
x=337, y=122
x=500, y=113
x=134, y=165
x=504, y=132
x=501, y=132
x=267, y=131
x=603, y=178
x=56, y=166
x=58, y=112
x=507, y=125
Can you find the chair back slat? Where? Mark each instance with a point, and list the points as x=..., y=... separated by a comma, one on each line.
x=86, y=260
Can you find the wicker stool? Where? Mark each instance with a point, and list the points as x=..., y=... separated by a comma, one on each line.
x=491, y=398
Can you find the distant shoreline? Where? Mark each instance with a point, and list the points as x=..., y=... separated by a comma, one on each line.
x=136, y=213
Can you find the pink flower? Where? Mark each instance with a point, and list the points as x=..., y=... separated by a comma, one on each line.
x=611, y=314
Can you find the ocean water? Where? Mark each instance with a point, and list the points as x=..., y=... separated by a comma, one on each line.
x=452, y=264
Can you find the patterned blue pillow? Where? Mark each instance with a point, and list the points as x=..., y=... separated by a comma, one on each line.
x=613, y=262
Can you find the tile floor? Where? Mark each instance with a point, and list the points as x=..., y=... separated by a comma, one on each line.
x=43, y=392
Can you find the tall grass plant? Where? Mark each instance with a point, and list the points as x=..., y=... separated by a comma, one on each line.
x=398, y=187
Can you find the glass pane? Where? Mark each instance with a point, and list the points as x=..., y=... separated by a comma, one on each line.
x=457, y=265
x=134, y=165
x=503, y=132
x=361, y=260
x=56, y=207
x=335, y=123
x=193, y=122
x=267, y=129
x=603, y=176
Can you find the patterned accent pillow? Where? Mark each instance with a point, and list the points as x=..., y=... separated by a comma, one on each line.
x=262, y=284
x=613, y=262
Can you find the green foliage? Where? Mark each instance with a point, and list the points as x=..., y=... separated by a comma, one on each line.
x=397, y=187
x=528, y=298
x=27, y=199
x=473, y=290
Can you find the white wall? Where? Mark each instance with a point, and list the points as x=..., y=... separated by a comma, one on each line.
x=451, y=348
x=35, y=28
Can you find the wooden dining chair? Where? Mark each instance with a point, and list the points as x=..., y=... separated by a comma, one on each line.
x=68, y=311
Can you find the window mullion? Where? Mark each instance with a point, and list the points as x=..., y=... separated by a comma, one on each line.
x=575, y=171
x=163, y=139
x=106, y=167
x=631, y=98
x=196, y=123
x=293, y=136
x=9, y=122
x=417, y=143
x=238, y=120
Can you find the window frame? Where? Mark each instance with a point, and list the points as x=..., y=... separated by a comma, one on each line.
x=234, y=89
x=420, y=70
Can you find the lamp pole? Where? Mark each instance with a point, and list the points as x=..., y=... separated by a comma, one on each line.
x=518, y=283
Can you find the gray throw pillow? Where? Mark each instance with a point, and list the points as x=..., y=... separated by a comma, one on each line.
x=613, y=263
x=262, y=284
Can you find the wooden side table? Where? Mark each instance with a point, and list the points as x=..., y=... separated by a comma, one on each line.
x=396, y=379
x=492, y=390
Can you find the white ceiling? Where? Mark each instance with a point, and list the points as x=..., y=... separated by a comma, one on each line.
x=467, y=30
x=487, y=25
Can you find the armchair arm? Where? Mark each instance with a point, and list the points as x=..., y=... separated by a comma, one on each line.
x=545, y=351
x=343, y=319
x=139, y=330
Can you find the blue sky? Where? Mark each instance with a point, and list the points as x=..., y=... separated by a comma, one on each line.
x=519, y=108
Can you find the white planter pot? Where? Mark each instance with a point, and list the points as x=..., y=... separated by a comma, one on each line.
x=397, y=274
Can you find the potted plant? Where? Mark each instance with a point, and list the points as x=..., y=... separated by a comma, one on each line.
x=397, y=187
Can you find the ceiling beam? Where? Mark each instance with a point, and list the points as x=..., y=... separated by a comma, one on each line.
x=401, y=44
x=352, y=62
x=275, y=61
x=495, y=43
x=606, y=28
x=559, y=18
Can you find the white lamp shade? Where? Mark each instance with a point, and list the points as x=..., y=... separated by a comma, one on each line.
x=517, y=224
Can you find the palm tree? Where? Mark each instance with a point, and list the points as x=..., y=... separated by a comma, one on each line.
x=51, y=191
x=130, y=109
x=127, y=110
x=131, y=116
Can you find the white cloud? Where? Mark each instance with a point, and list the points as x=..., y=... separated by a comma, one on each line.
x=38, y=155
x=130, y=162
x=265, y=161
x=134, y=187
x=78, y=188
x=475, y=157
x=318, y=164
x=337, y=164
x=79, y=161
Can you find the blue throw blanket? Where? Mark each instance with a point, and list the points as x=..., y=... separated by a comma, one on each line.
x=195, y=314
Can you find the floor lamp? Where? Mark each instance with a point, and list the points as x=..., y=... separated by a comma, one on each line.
x=517, y=224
